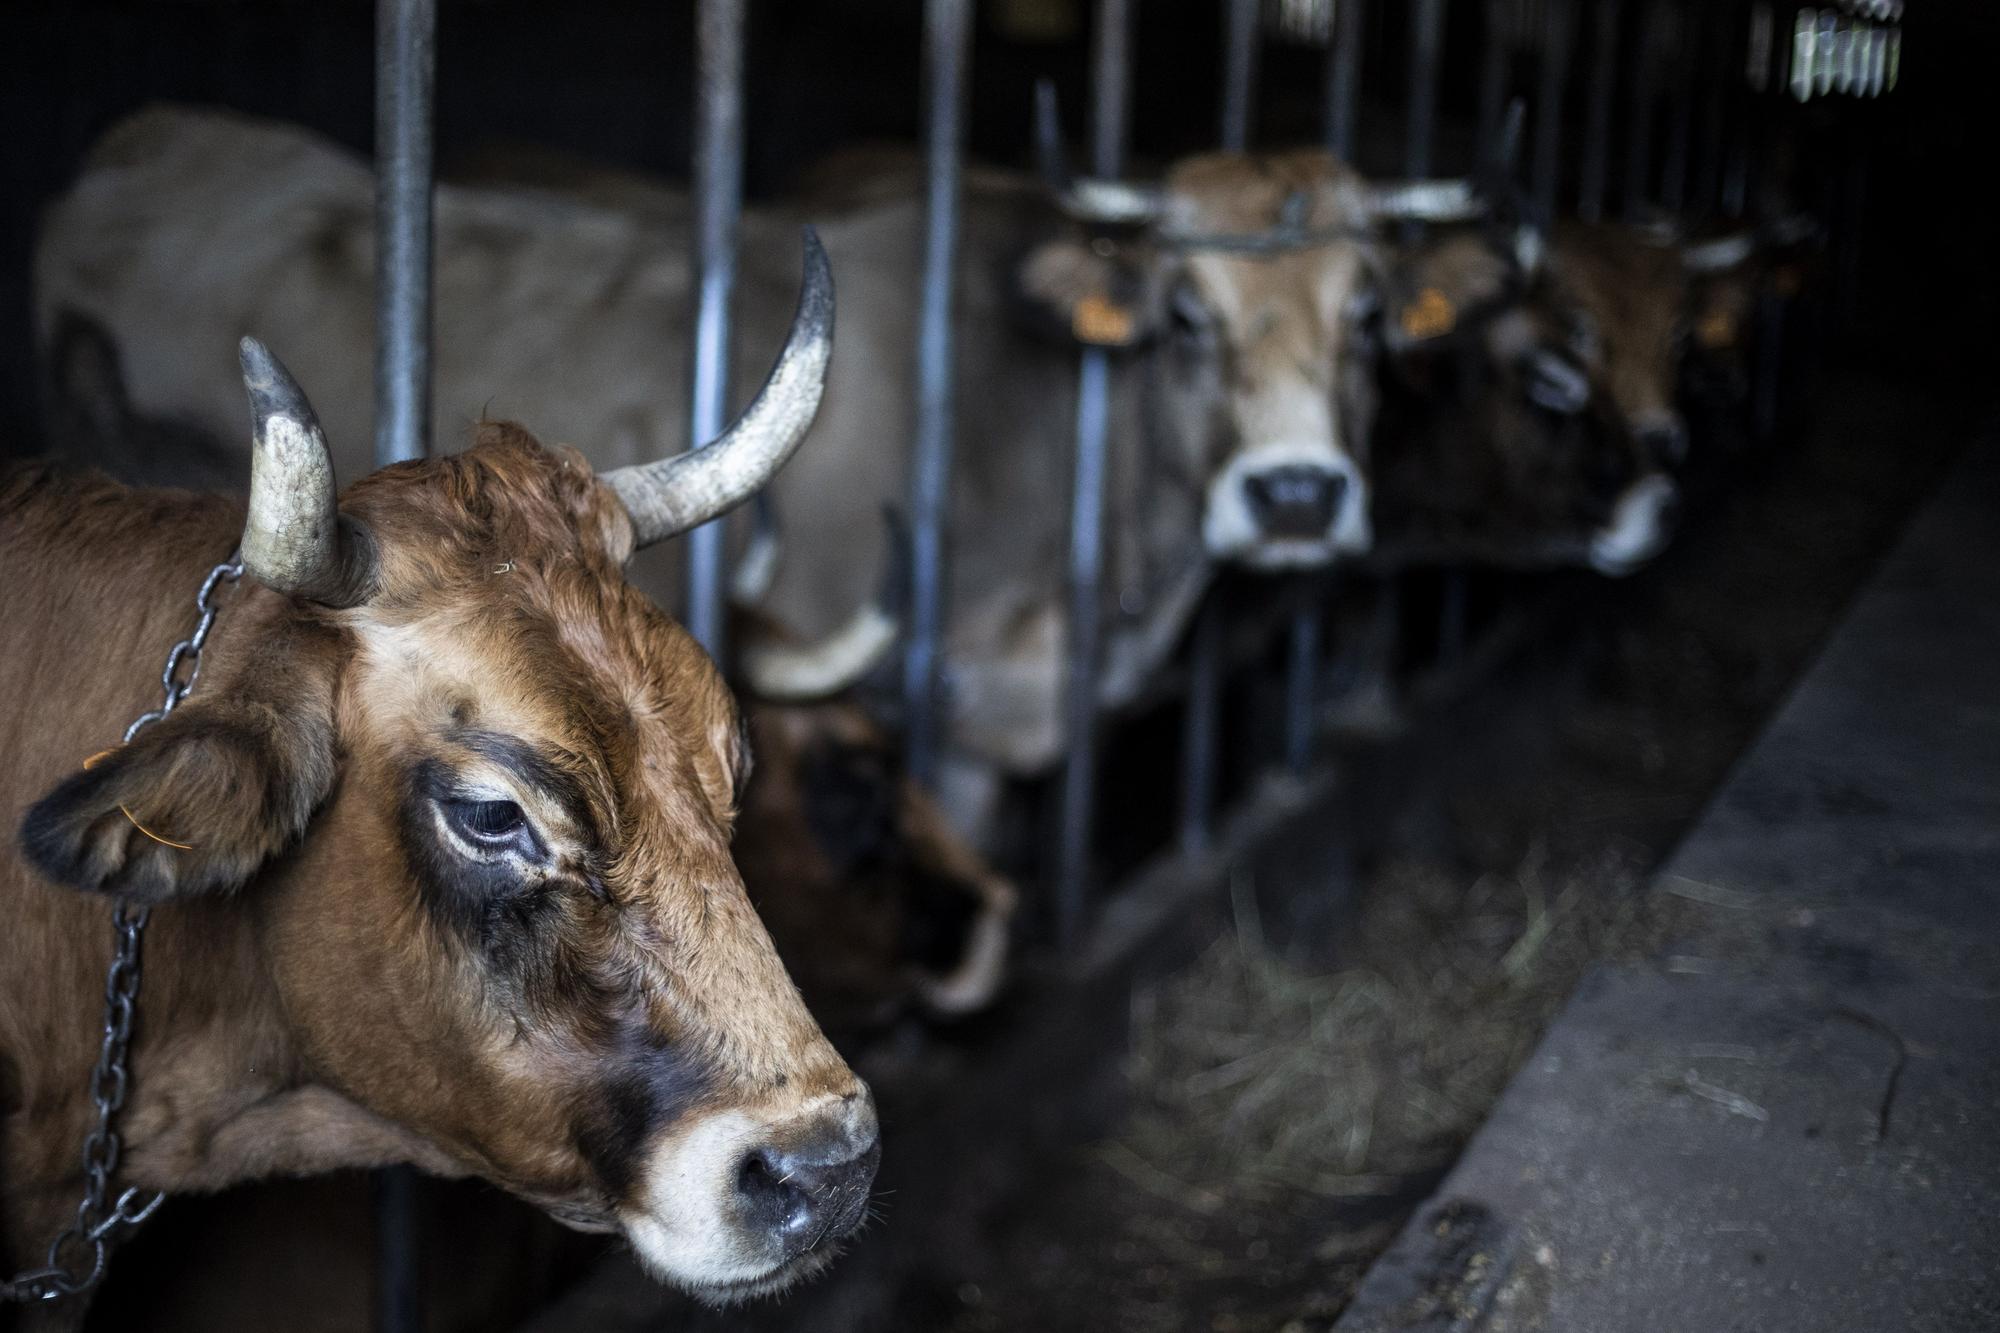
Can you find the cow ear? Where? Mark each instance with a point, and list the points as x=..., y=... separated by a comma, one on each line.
x=197, y=802
x=1084, y=292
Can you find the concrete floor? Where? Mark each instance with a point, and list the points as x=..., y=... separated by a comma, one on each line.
x=1786, y=1122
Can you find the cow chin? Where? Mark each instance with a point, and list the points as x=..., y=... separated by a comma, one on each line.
x=1640, y=524
x=684, y=1224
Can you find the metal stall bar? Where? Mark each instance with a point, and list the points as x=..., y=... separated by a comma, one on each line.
x=1110, y=66
x=1239, y=73
x=1597, y=126
x=1558, y=23
x=947, y=40
x=1639, y=131
x=1426, y=48
x=1495, y=59
x=1343, y=77
x=405, y=74
x=1202, y=732
x=718, y=192
x=405, y=67
x=1686, y=27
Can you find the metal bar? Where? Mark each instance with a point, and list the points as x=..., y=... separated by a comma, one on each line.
x=1426, y=46
x=947, y=42
x=1496, y=58
x=1343, y=77
x=1639, y=130
x=1110, y=93
x=1680, y=121
x=1239, y=72
x=405, y=77
x=718, y=194
x=1597, y=127
x=1557, y=24
x=1713, y=65
x=1302, y=679
x=1203, y=731
x=1203, y=720
x=405, y=64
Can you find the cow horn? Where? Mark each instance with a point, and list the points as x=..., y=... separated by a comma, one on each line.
x=1087, y=198
x=803, y=673
x=294, y=539
x=666, y=498
x=757, y=568
x=1724, y=252
x=1425, y=201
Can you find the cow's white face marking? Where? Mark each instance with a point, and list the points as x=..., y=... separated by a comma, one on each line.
x=1638, y=528
x=683, y=1222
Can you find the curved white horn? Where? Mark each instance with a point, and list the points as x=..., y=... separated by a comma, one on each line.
x=1426, y=201
x=804, y=672
x=1720, y=254
x=667, y=498
x=294, y=539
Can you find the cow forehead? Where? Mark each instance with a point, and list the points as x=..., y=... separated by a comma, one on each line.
x=1239, y=192
x=578, y=668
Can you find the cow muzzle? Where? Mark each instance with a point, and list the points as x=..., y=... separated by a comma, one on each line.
x=737, y=1205
x=1640, y=524
x=1287, y=507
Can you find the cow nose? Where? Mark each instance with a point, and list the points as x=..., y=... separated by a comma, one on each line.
x=806, y=1197
x=1665, y=442
x=1297, y=500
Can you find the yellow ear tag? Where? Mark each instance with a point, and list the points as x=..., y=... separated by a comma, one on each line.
x=1431, y=315
x=1101, y=322
x=1716, y=330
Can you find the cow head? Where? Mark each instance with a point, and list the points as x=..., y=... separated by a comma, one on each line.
x=1251, y=279
x=1502, y=438
x=1650, y=307
x=477, y=793
x=875, y=902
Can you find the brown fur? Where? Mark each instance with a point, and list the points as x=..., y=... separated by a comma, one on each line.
x=302, y=1009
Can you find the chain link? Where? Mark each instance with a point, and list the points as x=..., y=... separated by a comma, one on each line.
x=87, y=1239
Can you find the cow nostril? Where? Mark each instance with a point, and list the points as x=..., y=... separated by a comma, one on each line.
x=802, y=1201
x=1665, y=444
x=1299, y=500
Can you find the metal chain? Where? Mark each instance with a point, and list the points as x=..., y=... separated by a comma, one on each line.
x=90, y=1235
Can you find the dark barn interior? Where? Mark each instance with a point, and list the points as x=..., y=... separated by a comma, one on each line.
x=1567, y=904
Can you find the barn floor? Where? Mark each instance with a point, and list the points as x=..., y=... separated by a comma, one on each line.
x=1785, y=1120
x=1227, y=1131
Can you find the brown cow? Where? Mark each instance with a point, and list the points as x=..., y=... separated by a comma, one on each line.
x=438, y=851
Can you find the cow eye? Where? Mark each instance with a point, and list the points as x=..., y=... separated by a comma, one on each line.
x=496, y=824
x=1557, y=384
x=1189, y=314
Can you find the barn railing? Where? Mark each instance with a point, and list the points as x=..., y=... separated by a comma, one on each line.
x=1698, y=80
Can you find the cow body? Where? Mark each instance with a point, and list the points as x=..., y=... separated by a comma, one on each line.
x=440, y=875
x=1238, y=419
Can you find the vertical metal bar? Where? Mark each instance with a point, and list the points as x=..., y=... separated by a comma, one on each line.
x=1203, y=721
x=1343, y=77
x=1426, y=46
x=1203, y=729
x=405, y=64
x=405, y=75
x=1302, y=678
x=718, y=194
x=1557, y=24
x=1597, y=129
x=1110, y=71
x=1713, y=67
x=1680, y=121
x=1639, y=130
x=1496, y=58
x=947, y=40
x=1239, y=72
